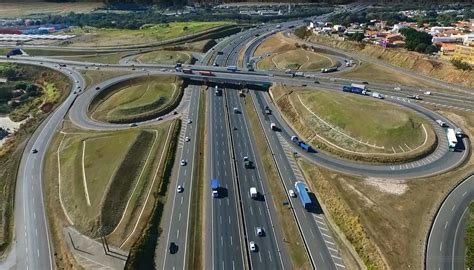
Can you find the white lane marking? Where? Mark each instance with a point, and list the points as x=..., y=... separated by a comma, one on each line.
x=84, y=178
x=441, y=246
x=177, y=234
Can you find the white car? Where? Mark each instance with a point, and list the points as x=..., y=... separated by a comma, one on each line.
x=397, y=89
x=253, y=246
x=186, y=139
x=190, y=121
x=180, y=189
x=183, y=162
x=292, y=193
x=428, y=93
x=259, y=231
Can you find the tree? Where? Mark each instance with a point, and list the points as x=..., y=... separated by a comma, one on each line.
x=421, y=47
x=357, y=37
x=459, y=64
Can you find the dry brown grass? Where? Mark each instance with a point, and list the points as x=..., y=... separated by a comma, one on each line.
x=394, y=216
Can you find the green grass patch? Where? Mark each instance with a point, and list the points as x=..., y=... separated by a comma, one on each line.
x=108, y=188
x=366, y=118
x=297, y=60
x=105, y=58
x=470, y=238
x=139, y=99
x=165, y=57
x=93, y=77
x=142, y=253
x=148, y=34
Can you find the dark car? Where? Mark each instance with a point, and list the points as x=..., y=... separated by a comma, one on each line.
x=173, y=248
x=365, y=82
x=317, y=82
x=34, y=151
x=97, y=88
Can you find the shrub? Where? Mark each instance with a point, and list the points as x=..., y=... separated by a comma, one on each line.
x=459, y=64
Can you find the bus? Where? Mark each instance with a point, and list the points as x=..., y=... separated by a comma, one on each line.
x=452, y=139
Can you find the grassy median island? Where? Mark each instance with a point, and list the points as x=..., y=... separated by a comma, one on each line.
x=100, y=37
x=165, y=57
x=282, y=53
x=470, y=238
x=137, y=99
x=354, y=126
x=387, y=221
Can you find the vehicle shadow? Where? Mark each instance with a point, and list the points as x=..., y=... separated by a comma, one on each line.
x=315, y=207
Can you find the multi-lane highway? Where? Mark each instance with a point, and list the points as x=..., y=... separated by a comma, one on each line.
x=234, y=216
x=446, y=249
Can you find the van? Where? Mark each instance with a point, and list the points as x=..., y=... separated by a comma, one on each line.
x=253, y=193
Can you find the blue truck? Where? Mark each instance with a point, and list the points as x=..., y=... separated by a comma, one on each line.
x=353, y=89
x=214, y=187
x=301, y=144
x=232, y=68
x=302, y=191
x=14, y=52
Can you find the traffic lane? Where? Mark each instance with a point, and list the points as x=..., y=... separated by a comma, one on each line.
x=313, y=238
x=226, y=234
x=444, y=249
x=255, y=211
x=32, y=235
x=178, y=233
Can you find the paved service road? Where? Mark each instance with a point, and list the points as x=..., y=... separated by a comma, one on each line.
x=446, y=248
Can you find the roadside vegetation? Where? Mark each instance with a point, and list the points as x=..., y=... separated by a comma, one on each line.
x=165, y=57
x=105, y=58
x=196, y=244
x=11, y=151
x=401, y=58
x=280, y=53
x=387, y=221
x=153, y=33
x=142, y=253
x=292, y=237
x=470, y=238
x=137, y=99
x=93, y=77
x=29, y=8
x=339, y=123
x=122, y=195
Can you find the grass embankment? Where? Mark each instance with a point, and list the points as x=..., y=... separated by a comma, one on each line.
x=165, y=57
x=12, y=151
x=470, y=238
x=96, y=196
x=137, y=99
x=89, y=36
x=142, y=253
x=388, y=219
x=293, y=241
x=355, y=127
x=93, y=77
x=413, y=61
x=286, y=55
x=105, y=58
x=196, y=237
x=375, y=73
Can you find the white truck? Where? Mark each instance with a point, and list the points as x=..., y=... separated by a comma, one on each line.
x=377, y=95
x=359, y=85
x=253, y=193
x=441, y=123
x=273, y=126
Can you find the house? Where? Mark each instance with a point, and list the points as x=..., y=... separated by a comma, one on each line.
x=392, y=38
x=447, y=48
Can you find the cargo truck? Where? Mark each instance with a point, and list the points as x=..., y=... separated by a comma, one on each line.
x=359, y=85
x=214, y=188
x=206, y=73
x=327, y=70
x=302, y=191
x=304, y=146
x=14, y=52
x=355, y=90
